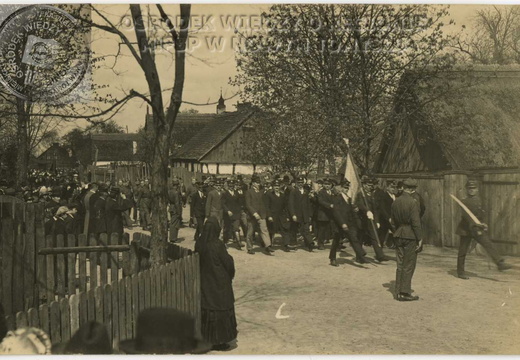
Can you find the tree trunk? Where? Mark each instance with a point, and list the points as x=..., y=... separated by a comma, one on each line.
x=159, y=184
x=22, y=163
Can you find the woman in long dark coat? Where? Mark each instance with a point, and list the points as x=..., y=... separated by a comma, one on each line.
x=217, y=269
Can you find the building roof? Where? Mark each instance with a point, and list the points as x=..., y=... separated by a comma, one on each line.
x=456, y=120
x=212, y=135
x=187, y=125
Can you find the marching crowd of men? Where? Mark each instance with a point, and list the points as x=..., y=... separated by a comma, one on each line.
x=319, y=214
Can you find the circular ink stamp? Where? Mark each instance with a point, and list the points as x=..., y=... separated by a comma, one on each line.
x=44, y=53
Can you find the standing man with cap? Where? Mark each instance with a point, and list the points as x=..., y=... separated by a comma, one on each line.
x=175, y=209
x=257, y=212
x=469, y=230
x=408, y=240
x=144, y=201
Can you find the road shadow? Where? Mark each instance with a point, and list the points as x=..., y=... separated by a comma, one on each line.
x=390, y=287
x=472, y=275
x=342, y=260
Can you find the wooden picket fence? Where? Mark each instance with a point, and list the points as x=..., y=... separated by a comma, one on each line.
x=38, y=268
x=117, y=305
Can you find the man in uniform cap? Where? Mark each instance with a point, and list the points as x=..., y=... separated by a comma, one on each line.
x=469, y=230
x=408, y=240
x=412, y=183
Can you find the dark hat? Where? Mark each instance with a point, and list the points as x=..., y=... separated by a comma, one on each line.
x=472, y=184
x=165, y=331
x=231, y=182
x=332, y=182
x=301, y=179
x=410, y=183
x=103, y=187
x=255, y=178
x=175, y=182
x=319, y=181
x=374, y=180
x=199, y=183
x=344, y=182
x=91, y=339
x=115, y=190
x=390, y=183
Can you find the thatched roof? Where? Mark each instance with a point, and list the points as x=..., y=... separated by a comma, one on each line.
x=456, y=120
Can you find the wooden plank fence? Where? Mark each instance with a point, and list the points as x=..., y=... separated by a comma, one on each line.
x=500, y=192
x=177, y=285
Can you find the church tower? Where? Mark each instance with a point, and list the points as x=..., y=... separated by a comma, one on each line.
x=221, y=107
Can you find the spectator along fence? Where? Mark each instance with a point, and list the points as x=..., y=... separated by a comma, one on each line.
x=500, y=192
x=58, y=284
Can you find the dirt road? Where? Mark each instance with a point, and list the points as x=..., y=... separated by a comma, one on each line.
x=350, y=309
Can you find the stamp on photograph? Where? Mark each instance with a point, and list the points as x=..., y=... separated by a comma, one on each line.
x=44, y=54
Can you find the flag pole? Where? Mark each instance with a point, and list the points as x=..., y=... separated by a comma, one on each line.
x=362, y=190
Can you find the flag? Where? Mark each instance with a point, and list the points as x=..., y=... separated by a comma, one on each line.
x=351, y=174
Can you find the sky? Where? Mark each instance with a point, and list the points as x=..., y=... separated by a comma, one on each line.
x=211, y=56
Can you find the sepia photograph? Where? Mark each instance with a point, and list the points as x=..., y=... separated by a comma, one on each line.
x=259, y=179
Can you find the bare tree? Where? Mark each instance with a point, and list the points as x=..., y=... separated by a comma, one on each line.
x=495, y=37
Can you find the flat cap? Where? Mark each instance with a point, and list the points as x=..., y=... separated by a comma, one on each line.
x=472, y=184
x=410, y=183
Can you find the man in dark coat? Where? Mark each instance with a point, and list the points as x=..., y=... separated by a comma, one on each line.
x=116, y=205
x=213, y=201
x=325, y=200
x=89, y=201
x=257, y=214
x=345, y=217
x=198, y=208
x=469, y=230
x=384, y=200
x=277, y=217
x=72, y=222
x=369, y=217
x=175, y=210
x=408, y=240
x=299, y=209
x=232, y=207
x=99, y=211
